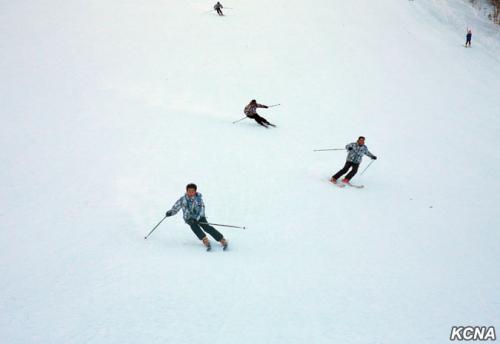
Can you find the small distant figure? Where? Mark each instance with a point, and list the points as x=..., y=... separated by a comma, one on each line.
x=355, y=150
x=251, y=112
x=218, y=6
x=468, y=37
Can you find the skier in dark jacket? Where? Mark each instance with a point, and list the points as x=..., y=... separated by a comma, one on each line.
x=356, y=150
x=218, y=6
x=251, y=112
x=468, y=38
x=193, y=210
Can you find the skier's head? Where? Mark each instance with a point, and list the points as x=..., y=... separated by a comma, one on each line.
x=253, y=101
x=361, y=140
x=191, y=189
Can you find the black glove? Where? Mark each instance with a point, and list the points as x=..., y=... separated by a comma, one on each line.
x=349, y=149
x=374, y=157
x=266, y=107
x=192, y=222
x=169, y=213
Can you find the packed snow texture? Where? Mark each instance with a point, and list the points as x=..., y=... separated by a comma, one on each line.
x=109, y=108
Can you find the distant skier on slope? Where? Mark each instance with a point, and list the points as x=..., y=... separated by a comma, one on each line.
x=193, y=210
x=468, y=38
x=251, y=112
x=356, y=150
x=218, y=6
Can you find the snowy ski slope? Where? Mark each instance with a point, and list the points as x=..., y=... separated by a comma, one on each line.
x=109, y=108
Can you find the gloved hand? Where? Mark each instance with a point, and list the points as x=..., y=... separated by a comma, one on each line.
x=349, y=149
x=169, y=213
x=192, y=222
x=374, y=157
x=266, y=107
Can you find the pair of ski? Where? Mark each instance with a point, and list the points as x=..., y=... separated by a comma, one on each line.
x=342, y=184
x=267, y=125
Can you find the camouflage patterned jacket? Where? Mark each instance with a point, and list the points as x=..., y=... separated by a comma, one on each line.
x=355, y=154
x=192, y=208
x=251, y=109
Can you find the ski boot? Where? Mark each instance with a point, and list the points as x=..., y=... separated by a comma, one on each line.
x=223, y=242
x=206, y=242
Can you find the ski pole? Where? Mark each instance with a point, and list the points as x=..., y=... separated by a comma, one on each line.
x=273, y=105
x=154, y=228
x=239, y=120
x=371, y=162
x=218, y=224
x=329, y=149
x=208, y=11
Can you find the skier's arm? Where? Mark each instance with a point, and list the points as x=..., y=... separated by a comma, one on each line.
x=368, y=153
x=175, y=208
x=350, y=146
x=262, y=106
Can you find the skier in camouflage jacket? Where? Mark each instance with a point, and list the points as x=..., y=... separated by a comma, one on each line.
x=193, y=210
x=251, y=112
x=355, y=152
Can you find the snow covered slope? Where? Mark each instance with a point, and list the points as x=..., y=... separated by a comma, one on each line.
x=110, y=108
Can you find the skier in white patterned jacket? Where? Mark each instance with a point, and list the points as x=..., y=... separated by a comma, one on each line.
x=356, y=150
x=193, y=210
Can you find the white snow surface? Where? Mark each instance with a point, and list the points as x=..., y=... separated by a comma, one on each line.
x=109, y=108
